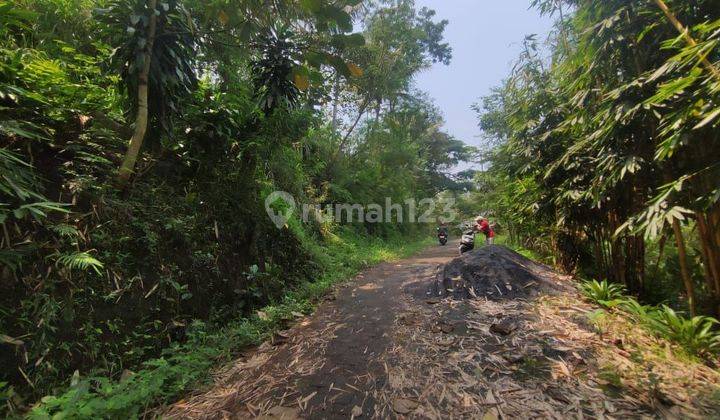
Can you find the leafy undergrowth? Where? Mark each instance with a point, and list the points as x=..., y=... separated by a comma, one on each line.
x=189, y=364
x=672, y=358
x=603, y=293
x=633, y=363
x=694, y=337
x=697, y=336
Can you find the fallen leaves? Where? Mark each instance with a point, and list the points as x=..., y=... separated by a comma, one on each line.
x=9, y=340
x=404, y=405
x=530, y=364
x=303, y=403
x=478, y=358
x=493, y=413
x=443, y=326
x=504, y=327
x=280, y=337
x=256, y=361
x=561, y=368
x=280, y=413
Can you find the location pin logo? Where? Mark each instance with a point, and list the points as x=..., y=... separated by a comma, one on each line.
x=279, y=218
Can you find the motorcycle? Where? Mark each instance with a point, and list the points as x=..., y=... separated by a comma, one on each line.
x=442, y=237
x=467, y=241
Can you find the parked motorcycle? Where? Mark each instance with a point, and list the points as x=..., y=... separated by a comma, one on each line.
x=467, y=241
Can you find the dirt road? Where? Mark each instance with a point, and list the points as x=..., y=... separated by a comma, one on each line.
x=381, y=347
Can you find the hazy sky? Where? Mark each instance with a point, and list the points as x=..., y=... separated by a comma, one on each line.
x=486, y=37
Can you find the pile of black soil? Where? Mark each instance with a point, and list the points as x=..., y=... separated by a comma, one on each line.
x=495, y=272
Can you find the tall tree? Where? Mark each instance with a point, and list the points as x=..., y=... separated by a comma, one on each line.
x=141, y=117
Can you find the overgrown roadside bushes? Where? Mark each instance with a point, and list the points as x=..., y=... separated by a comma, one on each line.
x=183, y=365
x=139, y=140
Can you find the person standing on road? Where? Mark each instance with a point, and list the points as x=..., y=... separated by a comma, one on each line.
x=482, y=225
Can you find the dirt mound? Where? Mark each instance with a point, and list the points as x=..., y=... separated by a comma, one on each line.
x=497, y=273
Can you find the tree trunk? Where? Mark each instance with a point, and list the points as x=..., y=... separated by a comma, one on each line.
x=684, y=270
x=713, y=219
x=714, y=228
x=710, y=257
x=597, y=254
x=141, y=119
x=702, y=233
x=635, y=263
x=352, y=127
x=336, y=99
x=563, y=31
x=661, y=252
x=604, y=251
x=713, y=236
x=617, y=254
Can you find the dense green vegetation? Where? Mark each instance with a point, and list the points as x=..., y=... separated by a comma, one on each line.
x=186, y=364
x=604, y=148
x=138, y=142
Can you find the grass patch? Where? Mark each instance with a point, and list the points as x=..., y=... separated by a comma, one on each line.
x=184, y=366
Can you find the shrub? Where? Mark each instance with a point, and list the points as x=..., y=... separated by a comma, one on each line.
x=639, y=311
x=603, y=293
x=181, y=366
x=695, y=335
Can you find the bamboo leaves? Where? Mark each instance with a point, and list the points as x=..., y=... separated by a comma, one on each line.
x=708, y=119
x=617, y=129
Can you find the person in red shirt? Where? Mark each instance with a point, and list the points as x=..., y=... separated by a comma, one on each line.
x=482, y=225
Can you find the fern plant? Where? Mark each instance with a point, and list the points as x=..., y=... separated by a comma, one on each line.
x=65, y=230
x=20, y=189
x=79, y=260
x=603, y=293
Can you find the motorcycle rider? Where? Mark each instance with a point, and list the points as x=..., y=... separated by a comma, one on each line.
x=443, y=228
x=443, y=232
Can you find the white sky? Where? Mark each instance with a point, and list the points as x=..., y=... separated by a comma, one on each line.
x=486, y=38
